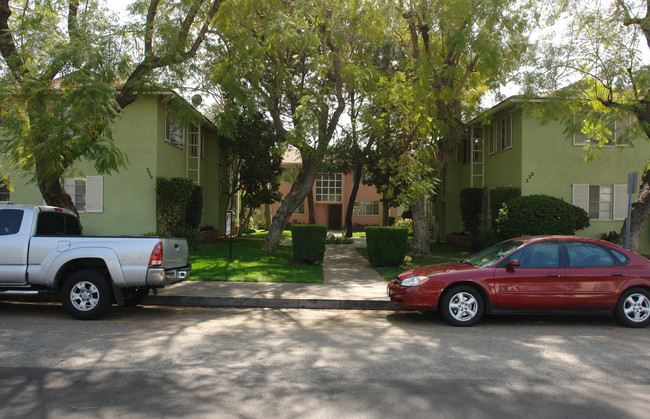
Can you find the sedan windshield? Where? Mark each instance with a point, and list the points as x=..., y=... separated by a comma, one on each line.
x=494, y=253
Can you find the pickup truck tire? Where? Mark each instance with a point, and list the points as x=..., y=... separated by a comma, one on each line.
x=86, y=295
x=134, y=296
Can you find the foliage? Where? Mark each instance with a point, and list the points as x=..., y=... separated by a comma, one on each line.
x=336, y=239
x=387, y=246
x=404, y=222
x=308, y=243
x=255, y=162
x=499, y=196
x=61, y=64
x=471, y=208
x=250, y=264
x=540, y=215
x=179, y=207
x=612, y=236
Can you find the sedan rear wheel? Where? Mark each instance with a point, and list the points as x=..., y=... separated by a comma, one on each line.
x=462, y=306
x=633, y=308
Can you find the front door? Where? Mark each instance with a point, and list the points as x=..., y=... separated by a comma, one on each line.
x=536, y=284
x=334, y=218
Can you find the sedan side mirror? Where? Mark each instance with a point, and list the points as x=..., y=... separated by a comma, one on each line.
x=513, y=263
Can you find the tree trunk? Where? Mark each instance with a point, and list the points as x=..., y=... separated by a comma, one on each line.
x=385, y=214
x=639, y=215
x=420, y=242
x=312, y=207
x=298, y=193
x=55, y=195
x=267, y=216
x=353, y=197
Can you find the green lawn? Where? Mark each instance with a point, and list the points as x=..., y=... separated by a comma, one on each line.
x=250, y=264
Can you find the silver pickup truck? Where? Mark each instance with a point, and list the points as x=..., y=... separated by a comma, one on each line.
x=42, y=249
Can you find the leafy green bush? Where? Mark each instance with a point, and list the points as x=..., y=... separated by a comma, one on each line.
x=499, y=196
x=611, y=237
x=540, y=215
x=471, y=207
x=308, y=242
x=335, y=239
x=387, y=246
x=179, y=204
x=405, y=222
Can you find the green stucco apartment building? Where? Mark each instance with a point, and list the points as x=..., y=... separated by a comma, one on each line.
x=156, y=145
x=516, y=149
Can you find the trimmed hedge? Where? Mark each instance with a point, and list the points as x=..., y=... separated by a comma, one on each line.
x=308, y=242
x=471, y=207
x=499, y=196
x=179, y=204
x=387, y=246
x=540, y=215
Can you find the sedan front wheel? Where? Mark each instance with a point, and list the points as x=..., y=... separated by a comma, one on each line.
x=462, y=306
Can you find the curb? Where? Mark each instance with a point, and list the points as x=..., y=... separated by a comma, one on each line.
x=231, y=302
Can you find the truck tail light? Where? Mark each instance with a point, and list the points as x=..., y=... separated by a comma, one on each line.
x=156, y=255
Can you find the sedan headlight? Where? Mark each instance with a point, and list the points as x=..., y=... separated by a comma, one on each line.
x=414, y=281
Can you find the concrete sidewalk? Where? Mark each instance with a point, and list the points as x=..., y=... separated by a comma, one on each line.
x=350, y=282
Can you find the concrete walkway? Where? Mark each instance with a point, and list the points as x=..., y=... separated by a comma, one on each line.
x=350, y=282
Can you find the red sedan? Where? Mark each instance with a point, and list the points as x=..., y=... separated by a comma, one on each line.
x=564, y=274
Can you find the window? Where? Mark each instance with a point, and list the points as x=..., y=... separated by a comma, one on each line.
x=195, y=142
x=539, y=255
x=587, y=255
x=602, y=202
x=366, y=208
x=86, y=193
x=10, y=220
x=290, y=173
x=616, y=128
x=5, y=194
x=174, y=132
x=501, y=135
x=57, y=224
x=329, y=187
x=300, y=210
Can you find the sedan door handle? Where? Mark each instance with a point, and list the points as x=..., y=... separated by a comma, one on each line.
x=618, y=274
x=553, y=276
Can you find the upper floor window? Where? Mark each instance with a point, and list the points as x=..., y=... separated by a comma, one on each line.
x=329, y=187
x=174, y=132
x=290, y=173
x=500, y=133
x=613, y=131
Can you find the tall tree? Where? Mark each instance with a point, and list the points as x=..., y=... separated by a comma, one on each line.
x=61, y=61
x=455, y=51
x=293, y=59
x=600, y=66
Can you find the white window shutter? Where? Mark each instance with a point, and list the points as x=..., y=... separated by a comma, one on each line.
x=68, y=185
x=581, y=196
x=620, y=202
x=94, y=194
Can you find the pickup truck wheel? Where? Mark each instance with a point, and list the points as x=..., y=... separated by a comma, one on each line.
x=86, y=295
x=134, y=296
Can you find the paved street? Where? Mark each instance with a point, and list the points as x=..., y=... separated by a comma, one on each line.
x=263, y=363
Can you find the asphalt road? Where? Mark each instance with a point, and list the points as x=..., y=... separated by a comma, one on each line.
x=282, y=363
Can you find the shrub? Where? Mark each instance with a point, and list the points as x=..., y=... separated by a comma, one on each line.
x=499, y=196
x=387, y=246
x=179, y=205
x=405, y=222
x=471, y=207
x=611, y=237
x=540, y=215
x=334, y=239
x=308, y=242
